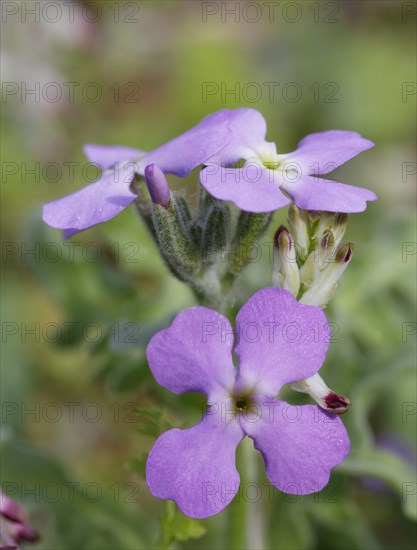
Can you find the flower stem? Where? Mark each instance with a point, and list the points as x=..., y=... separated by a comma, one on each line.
x=254, y=510
x=238, y=509
x=246, y=521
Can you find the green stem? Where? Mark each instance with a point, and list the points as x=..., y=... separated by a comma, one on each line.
x=246, y=517
x=254, y=524
x=238, y=508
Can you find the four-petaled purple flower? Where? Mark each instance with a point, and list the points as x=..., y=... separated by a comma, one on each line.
x=258, y=186
x=277, y=345
x=108, y=196
x=220, y=140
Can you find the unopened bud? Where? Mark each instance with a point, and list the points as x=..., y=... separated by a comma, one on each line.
x=337, y=403
x=327, y=241
x=339, y=227
x=344, y=253
x=21, y=532
x=216, y=233
x=324, y=285
x=157, y=185
x=11, y=509
x=335, y=221
x=326, y=250
x=285, y=272
x=325, y=397
x=297, y=220
x=16, y=527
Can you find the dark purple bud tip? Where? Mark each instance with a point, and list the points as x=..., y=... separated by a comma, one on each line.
x=23, y=532
x=341, y=218
x=336, y=403
x=281, y=237
x=344, y=253
x=327, y=241
x=11, y=509
x=157, y=185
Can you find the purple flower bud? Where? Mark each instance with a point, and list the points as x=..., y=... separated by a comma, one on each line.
x=327, y=240
x=10, y=509
x=282, y=239
x=16, y=527
x=22, y=532
x=344, y=253
x=337, y=403
x=285, y=273
x=157, y=185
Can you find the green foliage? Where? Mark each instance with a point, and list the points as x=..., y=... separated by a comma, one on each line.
x=175, y=526
x=367, y=58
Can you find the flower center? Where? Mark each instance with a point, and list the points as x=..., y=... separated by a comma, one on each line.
x=271, y=164
x=243, y=403
x=290, y=171
x=267, y=155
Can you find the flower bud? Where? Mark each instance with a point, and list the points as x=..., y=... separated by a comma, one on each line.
x=216, y=233
x=175, y=245
x=325, y=250
x=297, y=220
x=285, y=273
x=324, y=285
x=250, y=228
x=325, y=397
x=157, y=185
x=21, y=532
x=10, y=509
x=334, y=221
x=318, y=260
x=15, y=523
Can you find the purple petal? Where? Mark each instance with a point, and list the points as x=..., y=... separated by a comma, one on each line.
x=187, y=151
x=299, y=444
x=93, y=204
x=194, y=353
x=190, y=149
x=252, y=188
x=311, y=193
x=280, y=341
x=106, y=156
x=322, y=152
x=196, y=467
x=247, y=134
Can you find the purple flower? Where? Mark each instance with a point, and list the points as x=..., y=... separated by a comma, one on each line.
x=259, y=185
x=276, y=345
x=108, y=196
x=15, y=527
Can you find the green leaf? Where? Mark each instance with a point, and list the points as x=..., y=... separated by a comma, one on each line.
x=138, y=465
x=391, y=470
x=175, y=526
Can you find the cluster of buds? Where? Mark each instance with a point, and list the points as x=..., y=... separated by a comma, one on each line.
x=309, y=261
x=15, y=528
x=202, y=247
x=310, y=258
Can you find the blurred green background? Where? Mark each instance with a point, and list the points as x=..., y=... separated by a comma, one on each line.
x=76, y=316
